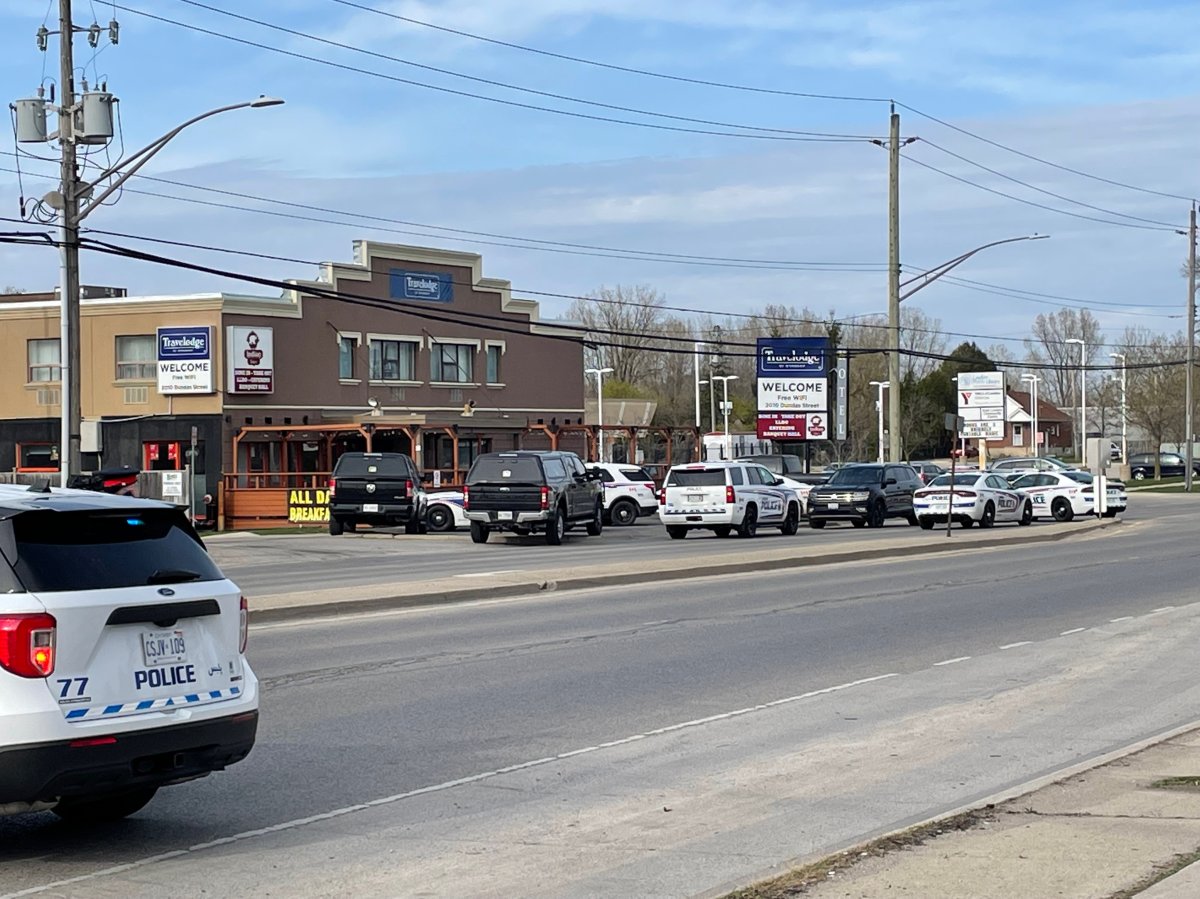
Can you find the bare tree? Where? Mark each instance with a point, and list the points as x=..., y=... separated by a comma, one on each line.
x=629, y=318
x=922, y=337
x=1156, y=384
x=1048, y=344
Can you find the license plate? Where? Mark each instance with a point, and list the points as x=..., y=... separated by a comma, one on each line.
x=504, y=516
x=833, y=505
x=163, y=648
x=695, y=497
x=370, y=507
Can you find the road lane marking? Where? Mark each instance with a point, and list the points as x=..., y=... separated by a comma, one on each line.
x=1163, y=609
x=1015, y=645
x=1074, y=630
x=487, y=573
x=1122, y=618
x=435, y=788
x=952, y=661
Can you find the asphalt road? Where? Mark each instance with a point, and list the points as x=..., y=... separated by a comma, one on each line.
x=266, y=565
x=660, y=741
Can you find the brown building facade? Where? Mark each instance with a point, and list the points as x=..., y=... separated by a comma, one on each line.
x=404, y=348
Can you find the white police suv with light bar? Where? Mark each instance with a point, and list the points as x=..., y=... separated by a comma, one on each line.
x=971, y=498
x=122, y=655
x=726, y=496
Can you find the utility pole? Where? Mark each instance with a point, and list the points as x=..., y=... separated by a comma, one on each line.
x=68, y=347
x=894, y=288
x=1189, y=425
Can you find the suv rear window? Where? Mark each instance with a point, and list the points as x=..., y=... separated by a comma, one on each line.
x=499, y=469
x=353, y=465
x=711, y=477
x=636, y=474
x=62, y=551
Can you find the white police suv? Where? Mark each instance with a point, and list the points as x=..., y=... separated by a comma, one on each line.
x=726, y=496
x=122, y=655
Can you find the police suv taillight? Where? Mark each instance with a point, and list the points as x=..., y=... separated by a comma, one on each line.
x=730, y=496
x=466, y=498
x=27, y=644
x=243, y=626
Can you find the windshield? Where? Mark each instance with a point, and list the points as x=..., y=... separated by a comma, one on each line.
x=959, y=480
x=1083, y=477
x=710, y=477
x=62, y=551
x=505, y=469
x=856, y=475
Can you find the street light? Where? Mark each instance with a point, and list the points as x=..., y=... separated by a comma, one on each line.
x=725, y=379
x=1124, y=412
x=697, y=347
x=896, y=297
x=882, y=385
x=599, y=373
x=1033, y=381
x=1082, y=398
x=76, y=200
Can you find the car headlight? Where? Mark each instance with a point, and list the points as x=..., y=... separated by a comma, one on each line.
x=859, y=496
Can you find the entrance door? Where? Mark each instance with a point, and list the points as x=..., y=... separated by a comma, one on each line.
x=162, y=456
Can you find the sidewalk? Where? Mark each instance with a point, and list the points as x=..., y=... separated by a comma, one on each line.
x=1127, y=826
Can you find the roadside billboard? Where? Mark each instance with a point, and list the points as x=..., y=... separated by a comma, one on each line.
x=792, y=388
x=250, y=352
x=982, y=401
x=184, y=360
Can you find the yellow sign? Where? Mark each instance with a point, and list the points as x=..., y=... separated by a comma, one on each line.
x=308, y=506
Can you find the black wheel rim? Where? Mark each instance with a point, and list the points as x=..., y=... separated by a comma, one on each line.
x=622, y=514
x=438, y=519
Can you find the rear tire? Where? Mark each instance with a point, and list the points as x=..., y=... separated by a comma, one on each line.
x=675, y=532
x=103, y=809
x=440, y=518
x=722, y=530
x=817, y=523
x=480, y=532
x=925, y=523
x=556, y=527
x=791, y=524
x=596, y=525
x=1026, y=515
x=1061, y=509
x=749, y=526
x=878, y=515
x=335, y=527
x=623, y=513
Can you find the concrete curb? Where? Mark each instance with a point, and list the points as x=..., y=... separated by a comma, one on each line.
x=499, y=591
x=1006, y=795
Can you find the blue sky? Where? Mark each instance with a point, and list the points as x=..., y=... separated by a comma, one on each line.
x=1105, y=87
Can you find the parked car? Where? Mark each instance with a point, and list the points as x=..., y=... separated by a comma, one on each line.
x=444, y=511
x=1171, y=465
x=1056, y=495
x=726, y=496
x=1018, y=466
x=865, y=495
x=629, y=492
x=978, y=498
x=122, y=655
x=379, y=489
x=526, y=492
x=927, y=471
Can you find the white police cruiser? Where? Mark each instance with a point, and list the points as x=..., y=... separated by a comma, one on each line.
x=1063, y=495
x=979, y=497
x=726, y=496
x=444, y=511
x=122, y=655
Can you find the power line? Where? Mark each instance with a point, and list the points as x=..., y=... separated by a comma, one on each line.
x=1043, y=190
x=1007, y=196
x=514, y=103
x=611, y=66
x=505, y=85
x=1053, y=165
x=967, y=282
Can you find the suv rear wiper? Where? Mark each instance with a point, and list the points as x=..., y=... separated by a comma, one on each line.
x=173, y=576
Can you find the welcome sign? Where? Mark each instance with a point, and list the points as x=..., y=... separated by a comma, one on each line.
x=184, y=360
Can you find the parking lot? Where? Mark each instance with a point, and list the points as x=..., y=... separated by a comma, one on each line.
x=273, y=564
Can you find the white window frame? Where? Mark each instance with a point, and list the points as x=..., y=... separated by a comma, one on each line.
x=151, y=364
x=54, y=368
x=419, y=343
x=353, y=377
x=435, y=359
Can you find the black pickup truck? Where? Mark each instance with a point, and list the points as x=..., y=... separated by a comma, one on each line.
x=380, y=489
x=528, y=491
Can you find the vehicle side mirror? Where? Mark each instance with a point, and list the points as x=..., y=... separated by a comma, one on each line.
x=888, y=482
x=779, y=482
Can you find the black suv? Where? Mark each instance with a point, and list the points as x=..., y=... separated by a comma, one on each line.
x=1171, y=465
x=527, y=491
x=865, y=495
x=379, y=489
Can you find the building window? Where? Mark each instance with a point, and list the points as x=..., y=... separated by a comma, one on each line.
x=494, y=353
x=393, y=360
x=37, y=457
x=137, y=358
x=452, y=363
x=346, y=348
x=45, y=360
